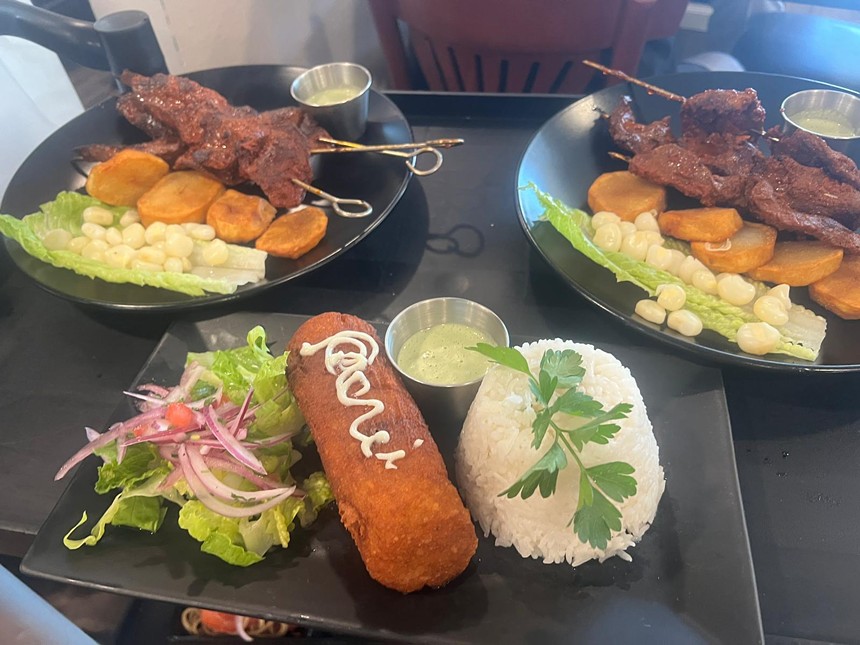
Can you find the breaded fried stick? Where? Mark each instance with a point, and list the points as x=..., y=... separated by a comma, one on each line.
x=388, y=477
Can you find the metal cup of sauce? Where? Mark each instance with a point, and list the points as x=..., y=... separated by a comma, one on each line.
x=337, y=96
x=436, y=396
x=832, y=115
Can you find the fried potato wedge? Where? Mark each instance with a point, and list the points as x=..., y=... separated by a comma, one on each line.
x=625, y=194
x=125, y=177
x=799, y=264
x=840, y=291
x=747, y=249
x=294, y=234
x=238, y=218
x=178, y=198
x=700, y=224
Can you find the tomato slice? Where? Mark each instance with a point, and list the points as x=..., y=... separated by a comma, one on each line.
x=141, y=430
x=218, y=622
x=179, y=415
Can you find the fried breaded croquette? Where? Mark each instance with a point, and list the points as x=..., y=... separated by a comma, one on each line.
x=402, y=511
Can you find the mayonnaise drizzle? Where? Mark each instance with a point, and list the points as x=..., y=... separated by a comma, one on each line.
x=349, y=368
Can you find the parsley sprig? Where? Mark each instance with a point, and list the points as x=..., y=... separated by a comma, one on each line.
x=596, y=516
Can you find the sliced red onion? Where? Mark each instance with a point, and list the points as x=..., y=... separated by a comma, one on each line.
x=169, y=481
x=242, y=411
x=232, y=444
x=99, y=442
x=240, y=629
x=158, y=390
x=170, y=436
x=92, y=433
x=239, y=469
x=222, y=490
x=120, y=451
x=214, y=504
x=148, y=399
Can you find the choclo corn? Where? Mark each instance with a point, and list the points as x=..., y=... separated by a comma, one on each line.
x=757, y=338
x=782, y=293
x=98, y=215
x=151, y=255
x=134, y=235
x=202, y=232
x=173, y=264
x=770, y=309
x=635, y=245
x=671, y=297
x=684, y=322
x=58, y=239
x=627, y=228
x=178, y=245
x=654, y=237
x=735, y=290
x=119, y=256
x=93, y=231
x=143, y=265
x=650, y=311
x=155, y=232
x=688, y=265
x=608, y=237
x=129, y=217
x=604, y=217
x=216, y=253
x=77, y=244
x=658, y=257
x=646, y=222
x=113, y=236
x=675, y=263
x=703, y=279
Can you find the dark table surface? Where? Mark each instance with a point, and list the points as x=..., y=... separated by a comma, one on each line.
x=456, y=233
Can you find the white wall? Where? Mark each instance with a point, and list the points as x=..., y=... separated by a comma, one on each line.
x=199, y=34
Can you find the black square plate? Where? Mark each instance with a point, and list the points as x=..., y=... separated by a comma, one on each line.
x=691, y=579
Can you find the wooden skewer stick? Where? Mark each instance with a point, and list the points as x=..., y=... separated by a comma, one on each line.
x=652, y=89
x=618, y=155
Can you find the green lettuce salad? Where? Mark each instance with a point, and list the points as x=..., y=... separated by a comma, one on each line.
x=65, y=213
x=221, y=446
x=801, y=336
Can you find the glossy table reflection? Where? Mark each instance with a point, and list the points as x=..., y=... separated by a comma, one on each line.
x=456, y=234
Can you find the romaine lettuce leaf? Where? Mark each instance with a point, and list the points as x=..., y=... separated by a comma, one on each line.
x=141, y=462
x=146, y=516
x=66, y=212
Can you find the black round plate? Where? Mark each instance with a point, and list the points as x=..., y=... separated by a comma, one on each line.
x=378, y=179
x=570, y=151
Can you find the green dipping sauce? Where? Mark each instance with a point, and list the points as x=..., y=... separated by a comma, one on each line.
x=827, y=123
x=333, y=95
x=438, y=354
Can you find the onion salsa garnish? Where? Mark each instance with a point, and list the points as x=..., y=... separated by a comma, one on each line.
x=216, y=445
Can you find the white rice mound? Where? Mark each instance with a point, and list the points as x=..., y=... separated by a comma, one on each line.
x=495, y=450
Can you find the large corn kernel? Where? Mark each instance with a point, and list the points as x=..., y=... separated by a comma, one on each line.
x=703, y=279
x=119, y=256
x=782, y=293
x=128, y=218
x=77, y=244
x=650, y=311
x=685, y=322
x=757, y=338
x=735, y=290
x=134, y=235
x=98, y=215
x=113, y=236
x=659, y=257
x=627, y=228
x=671, y=297
x=604, y=217
x=178, y=245
x=174, y=265
x=58, y=239
x=687, y=267
x=155, y=232
x=216, y=253
x=770, y=309
x=608, y=237
x=646, y=222
x=152, y=255
x=636, y=245
x=93, y=231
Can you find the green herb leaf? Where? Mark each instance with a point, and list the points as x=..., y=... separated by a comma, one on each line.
x=586, y=491
x=598, y=430
x=614, y=479
x=540, y=426
x=543, y=474
x=507, y=356
x=547, y=385
x=577, y=404
x=565, y=365
x=595, y=522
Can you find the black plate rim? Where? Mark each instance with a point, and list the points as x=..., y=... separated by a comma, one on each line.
x=702, y=351
x=351, y=628
x=198, y=302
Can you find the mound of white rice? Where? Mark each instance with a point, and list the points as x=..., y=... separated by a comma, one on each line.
x=495, y=450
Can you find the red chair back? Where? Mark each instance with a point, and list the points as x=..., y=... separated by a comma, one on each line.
x=517, y=45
